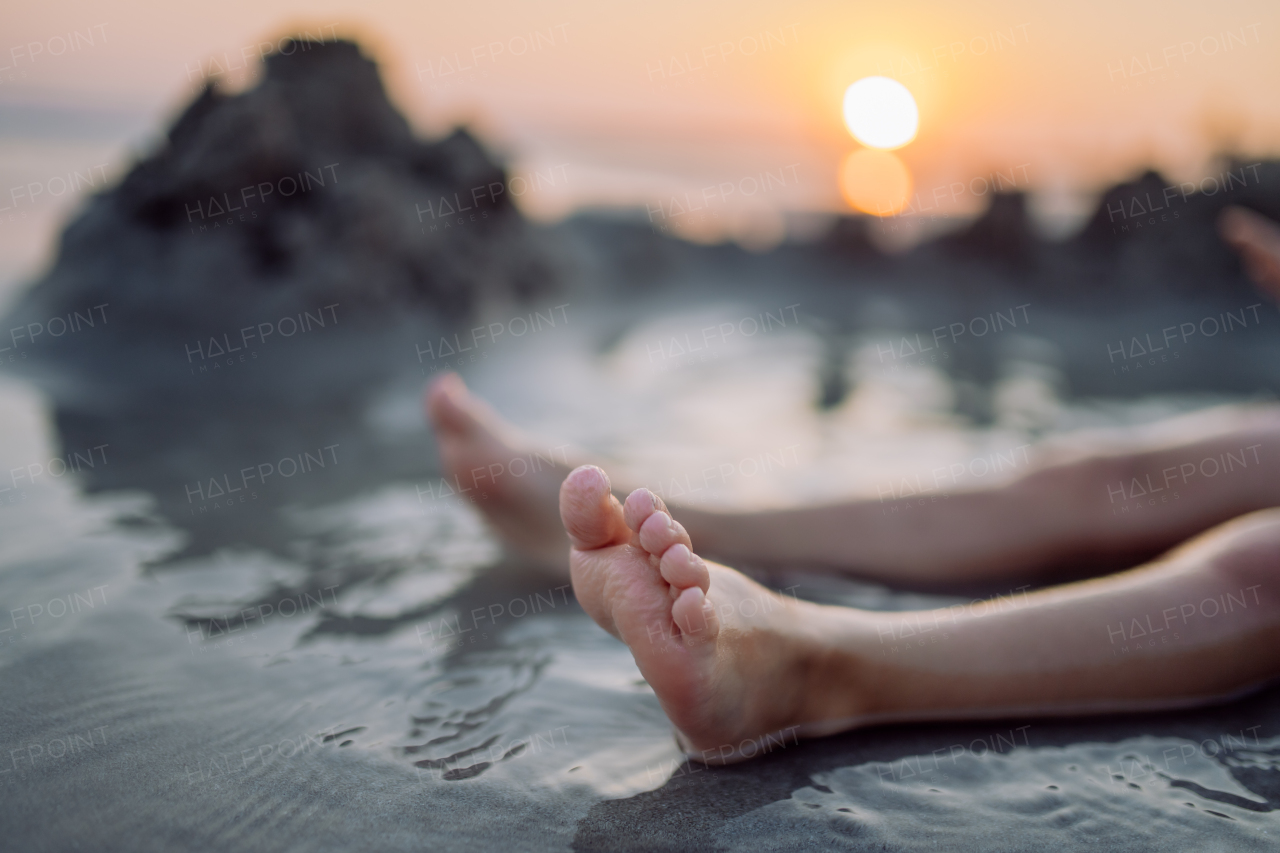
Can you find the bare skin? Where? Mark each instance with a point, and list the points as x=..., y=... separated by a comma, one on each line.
x=1257, y=239
x=1064, y=506
x=519, y=506
x=739, y=668
x=1068, y=504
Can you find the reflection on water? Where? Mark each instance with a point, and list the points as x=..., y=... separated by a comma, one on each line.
x=242, y=655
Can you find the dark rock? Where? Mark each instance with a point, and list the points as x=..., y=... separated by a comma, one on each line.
x=409, y=238
x=307, y=190
x=850, y=237
x=1153, y=237
x=1002, y=235
x=1101, y=229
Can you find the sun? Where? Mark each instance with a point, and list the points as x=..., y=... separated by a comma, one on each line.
x=880, y=113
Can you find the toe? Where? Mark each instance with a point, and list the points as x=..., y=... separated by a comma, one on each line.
x=592, y=516
x=660, y=531
x=694, y=616
x=682, y=568
x=639, y=505
x=445, y=402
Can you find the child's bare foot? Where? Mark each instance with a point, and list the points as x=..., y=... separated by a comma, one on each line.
x=1258, y=241
x=510, y=479
x=731, y=661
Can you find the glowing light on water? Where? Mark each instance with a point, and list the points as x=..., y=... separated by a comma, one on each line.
x=875, y=182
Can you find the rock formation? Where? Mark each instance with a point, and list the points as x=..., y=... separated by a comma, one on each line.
x=305, y=192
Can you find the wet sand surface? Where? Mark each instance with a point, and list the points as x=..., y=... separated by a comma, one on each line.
x=343, y=657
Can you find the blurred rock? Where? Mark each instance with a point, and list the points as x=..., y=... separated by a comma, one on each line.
x=308, y=197
x=850, y=238
x=1002, y=235
x=307, y=191
x=1155, y=237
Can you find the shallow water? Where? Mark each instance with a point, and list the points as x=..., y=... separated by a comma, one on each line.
x=305, y=668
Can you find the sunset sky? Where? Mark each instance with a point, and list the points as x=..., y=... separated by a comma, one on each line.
x=634, y=103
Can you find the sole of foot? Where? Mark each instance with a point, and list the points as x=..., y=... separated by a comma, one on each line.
x=509, y=478
x=734, y=665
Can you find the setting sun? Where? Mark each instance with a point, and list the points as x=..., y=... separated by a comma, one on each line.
x=880, y=113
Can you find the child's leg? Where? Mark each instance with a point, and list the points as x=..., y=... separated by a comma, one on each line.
x=1089, y=498
x=732, y=662
x=1076, y=500
x=1199, y=624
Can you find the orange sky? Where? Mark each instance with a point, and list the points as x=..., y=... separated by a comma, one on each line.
x=635, y=102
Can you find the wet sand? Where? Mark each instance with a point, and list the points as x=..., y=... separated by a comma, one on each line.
x=342, y=657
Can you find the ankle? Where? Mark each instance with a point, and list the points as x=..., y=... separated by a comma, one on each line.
x=837, y=670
